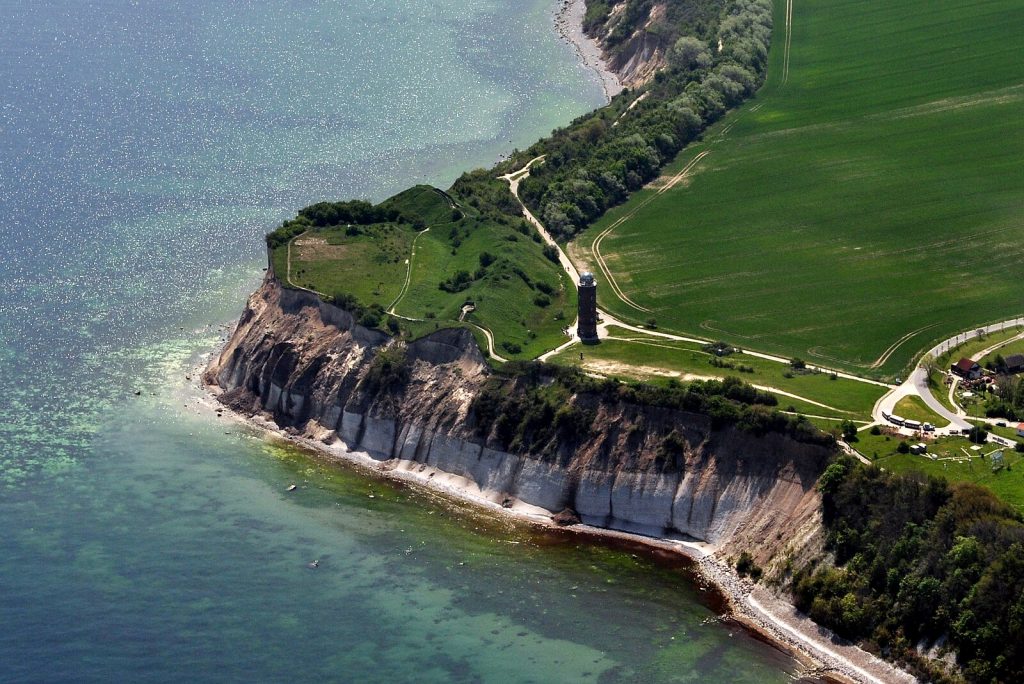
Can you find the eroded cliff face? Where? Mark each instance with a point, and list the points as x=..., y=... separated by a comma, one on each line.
x=308, y=366
x=641, y=53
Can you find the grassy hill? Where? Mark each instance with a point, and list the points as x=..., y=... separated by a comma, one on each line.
x=412, y=263
x=865, y=203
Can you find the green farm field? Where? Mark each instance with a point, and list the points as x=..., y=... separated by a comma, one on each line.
x=862, y=206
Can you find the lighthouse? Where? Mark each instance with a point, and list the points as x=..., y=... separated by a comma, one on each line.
x=587, y=327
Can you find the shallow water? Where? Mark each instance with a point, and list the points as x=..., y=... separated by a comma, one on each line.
x=145, y=147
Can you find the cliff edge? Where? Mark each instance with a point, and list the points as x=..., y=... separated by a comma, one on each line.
x=311, y=369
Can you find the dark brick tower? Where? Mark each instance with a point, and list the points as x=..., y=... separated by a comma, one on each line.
x=587, y=329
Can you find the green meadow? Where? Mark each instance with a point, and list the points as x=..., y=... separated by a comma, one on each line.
x=868, y=206
x=627, y=354
x=429, y=267
x=951, y=462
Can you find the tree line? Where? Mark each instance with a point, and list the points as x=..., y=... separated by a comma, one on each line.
x=596, y=162
x=920, y=563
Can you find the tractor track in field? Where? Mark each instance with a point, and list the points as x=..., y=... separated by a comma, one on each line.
x=788, y=42
x=596, y=245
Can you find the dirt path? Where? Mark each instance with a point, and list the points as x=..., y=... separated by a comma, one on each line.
x=632, y=104
x=490, y=343
x=408, y=272
x=514, y=179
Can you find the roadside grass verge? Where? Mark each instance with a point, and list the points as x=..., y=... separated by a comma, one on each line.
x=914, y=408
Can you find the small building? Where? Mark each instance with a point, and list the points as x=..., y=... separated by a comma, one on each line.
x=587, y=327
x=967, y=369
x=918, y=449
x=1014, y=363
x=1020, y=429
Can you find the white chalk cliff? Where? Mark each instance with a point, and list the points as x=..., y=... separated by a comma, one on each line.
x=302, y=362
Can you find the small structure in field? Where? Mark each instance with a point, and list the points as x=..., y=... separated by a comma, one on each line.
x=966, y=369
x=1020, y=429
x=918, y=449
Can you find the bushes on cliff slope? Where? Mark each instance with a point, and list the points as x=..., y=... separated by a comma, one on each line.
x=533, y=407
x=920, y=561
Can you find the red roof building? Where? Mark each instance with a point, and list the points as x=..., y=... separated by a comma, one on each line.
x=966, y=368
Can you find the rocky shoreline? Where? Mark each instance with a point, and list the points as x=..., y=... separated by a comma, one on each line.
x=569, y=24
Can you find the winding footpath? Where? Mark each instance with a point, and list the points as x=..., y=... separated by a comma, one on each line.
x=408, y=271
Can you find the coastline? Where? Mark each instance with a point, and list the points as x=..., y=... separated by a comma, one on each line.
x=751, y=606
x=755, y=609
x=569, y=24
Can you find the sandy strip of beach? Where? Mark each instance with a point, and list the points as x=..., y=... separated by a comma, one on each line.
x=569, y=24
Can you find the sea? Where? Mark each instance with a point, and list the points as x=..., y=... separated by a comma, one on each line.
x=146, y=146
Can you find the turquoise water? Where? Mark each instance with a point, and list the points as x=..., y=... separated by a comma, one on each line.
x=145, y=147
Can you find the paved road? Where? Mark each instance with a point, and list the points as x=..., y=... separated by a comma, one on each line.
x=917, y=383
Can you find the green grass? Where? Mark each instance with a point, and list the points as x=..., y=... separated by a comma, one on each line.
x=1010, y=349
x=877, y=194
x=914, y=408
x=509, y=292
x=1007, y=483
x=504, y=300
x=371, y=266
x=952, y=463
x=645, y=357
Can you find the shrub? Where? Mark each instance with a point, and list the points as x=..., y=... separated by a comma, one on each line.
x=745, y=566
x=388, y=371
x=511, y=347
x=460, y=281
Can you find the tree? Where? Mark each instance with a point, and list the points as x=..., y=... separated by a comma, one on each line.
x=929, y=365
x=691, y=53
